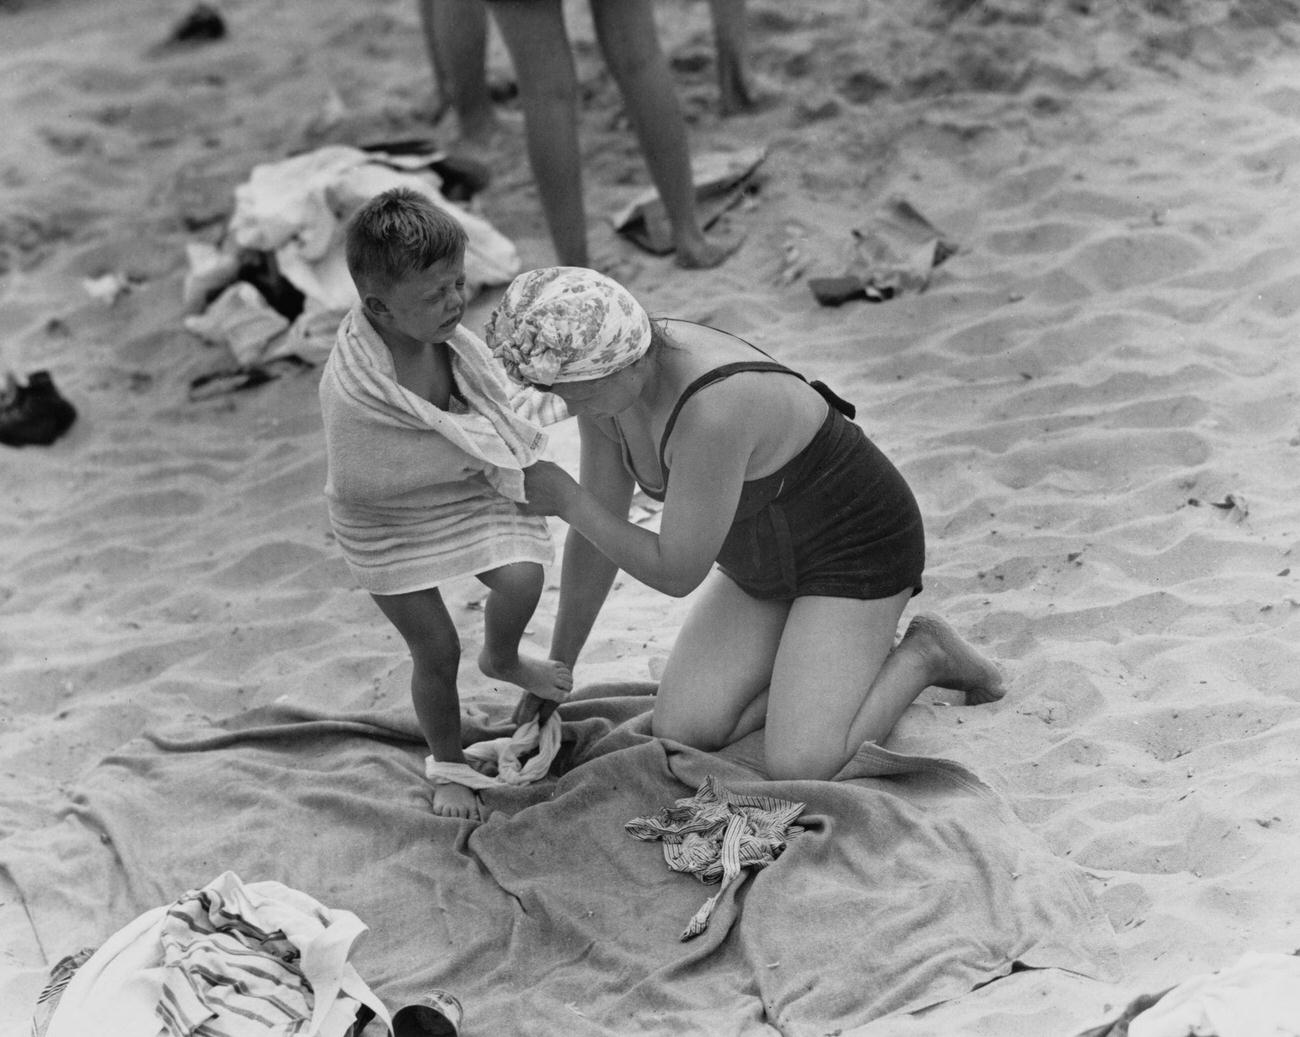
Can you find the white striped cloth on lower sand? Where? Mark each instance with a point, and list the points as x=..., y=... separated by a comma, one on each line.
x=716, y=834
x=221, y=966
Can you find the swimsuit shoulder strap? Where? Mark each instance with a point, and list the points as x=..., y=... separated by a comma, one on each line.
x=726, y=370
x=707, y=379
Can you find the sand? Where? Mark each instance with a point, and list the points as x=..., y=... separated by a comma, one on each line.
x=1086, y=389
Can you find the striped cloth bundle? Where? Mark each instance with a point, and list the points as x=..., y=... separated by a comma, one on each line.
x=219, y=965
x=227, y=960
x=716, y=834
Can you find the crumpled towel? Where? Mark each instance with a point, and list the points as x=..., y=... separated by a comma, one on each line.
x=897, y=252
x=1259, y=996
x=229, y=958
x=721, y=180
x=295, y=210
x=716, y=834
x=518, y=759
x=243, y=321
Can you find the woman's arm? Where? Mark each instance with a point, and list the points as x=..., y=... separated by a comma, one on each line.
x=586, y=574
x=713, y=445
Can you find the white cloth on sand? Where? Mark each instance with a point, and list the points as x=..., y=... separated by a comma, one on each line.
x=241, y=320
x=235, y=958
x=504, y=758
x=296, y=209
x=419, y=495
x=1259, y=996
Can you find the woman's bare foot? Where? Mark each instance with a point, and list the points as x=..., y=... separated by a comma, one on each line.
x=453, y=800
x=544, y=678
x=952, y=662
x=486, y=136
x=745, y=94
x=700, y=252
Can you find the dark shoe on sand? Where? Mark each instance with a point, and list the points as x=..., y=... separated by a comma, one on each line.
x=36, y=415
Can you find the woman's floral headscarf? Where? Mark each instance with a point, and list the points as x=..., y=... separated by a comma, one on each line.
x=566, y=324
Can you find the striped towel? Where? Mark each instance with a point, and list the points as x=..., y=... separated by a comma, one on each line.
x=220, y=966
x=419, y=495
x=227, y=960
x=716, y=834
x=61, y=974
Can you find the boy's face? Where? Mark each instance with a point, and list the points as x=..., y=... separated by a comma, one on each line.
x=424, y=306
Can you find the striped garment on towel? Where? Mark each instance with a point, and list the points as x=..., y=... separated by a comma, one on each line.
x=227, y=960
x=419, y=495
x=220, y=964
x=716, y=834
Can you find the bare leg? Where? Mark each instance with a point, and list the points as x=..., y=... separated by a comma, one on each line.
x=630, y=42
x=824, y=704
x=946, y=661
x=422, y=620
x=714, y=688
x=731, y=41
x=513, y=594
x=534, y=33
x=455, y=35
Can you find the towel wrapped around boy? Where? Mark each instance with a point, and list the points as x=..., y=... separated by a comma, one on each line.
x=411, y=510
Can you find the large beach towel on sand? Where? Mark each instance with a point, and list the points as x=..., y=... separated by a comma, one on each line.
x=911, y=884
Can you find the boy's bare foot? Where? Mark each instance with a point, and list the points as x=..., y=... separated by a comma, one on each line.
x=453, y=800
x=544, y=678
x=702, y=252
x=952, y=662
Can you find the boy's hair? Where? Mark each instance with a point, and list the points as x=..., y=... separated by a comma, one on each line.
x=396, y=234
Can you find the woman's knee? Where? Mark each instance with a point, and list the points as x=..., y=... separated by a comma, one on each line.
x=694, y=731
x=808, y=763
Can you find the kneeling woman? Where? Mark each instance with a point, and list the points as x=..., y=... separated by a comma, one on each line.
x=817, y=538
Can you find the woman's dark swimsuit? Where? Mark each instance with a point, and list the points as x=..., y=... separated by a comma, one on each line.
x=836, y=520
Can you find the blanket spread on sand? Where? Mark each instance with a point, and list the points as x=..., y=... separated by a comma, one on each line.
x=419, y=495
x=911, y=883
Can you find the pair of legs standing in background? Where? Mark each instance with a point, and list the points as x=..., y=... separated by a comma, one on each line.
x=534, y=34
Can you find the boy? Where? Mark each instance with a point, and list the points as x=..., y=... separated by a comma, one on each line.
x=425, y=456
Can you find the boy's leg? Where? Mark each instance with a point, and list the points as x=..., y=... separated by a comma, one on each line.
x=838, y=680
x=629, y=40
x=534, y=34
x=455, y=36
x=513, y=593
x=426, y=627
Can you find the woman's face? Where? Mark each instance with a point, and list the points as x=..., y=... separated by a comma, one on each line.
x=597, y=397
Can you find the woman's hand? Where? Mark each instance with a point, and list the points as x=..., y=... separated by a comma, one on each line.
x=549, y=489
